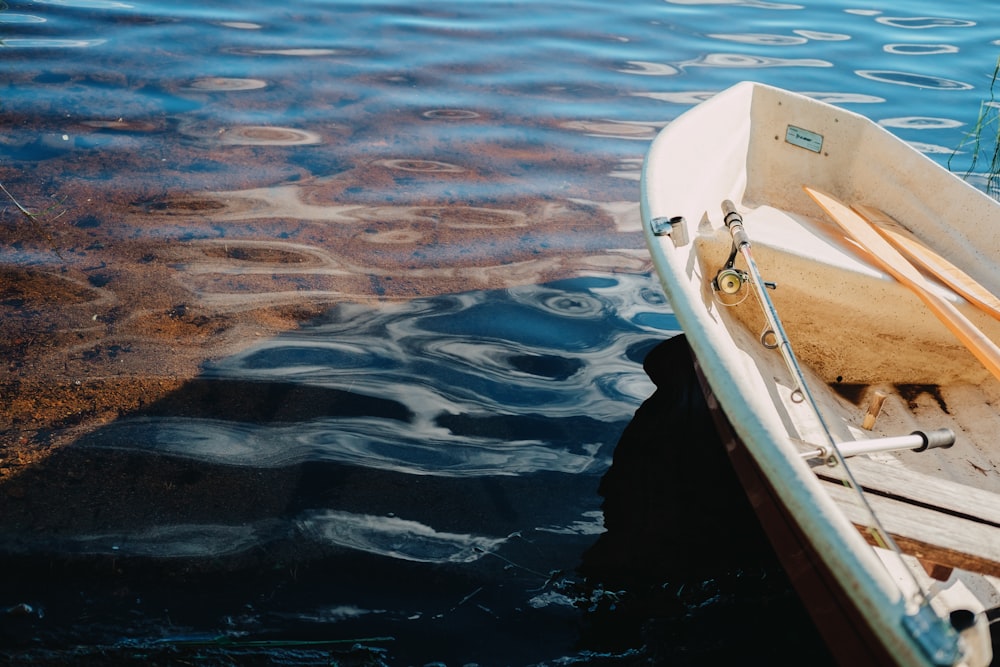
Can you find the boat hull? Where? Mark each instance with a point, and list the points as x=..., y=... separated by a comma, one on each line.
x=792, y=369
x=833, y=612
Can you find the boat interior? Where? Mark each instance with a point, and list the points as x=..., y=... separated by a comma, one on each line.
x=879, y=365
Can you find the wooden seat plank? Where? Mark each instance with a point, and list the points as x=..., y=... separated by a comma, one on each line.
x=920, y=489
x=926, y=533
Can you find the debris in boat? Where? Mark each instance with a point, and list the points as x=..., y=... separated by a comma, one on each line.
x=984, y=471
x=874, y=409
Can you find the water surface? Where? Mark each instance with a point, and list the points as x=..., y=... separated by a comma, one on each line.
x=330, y=314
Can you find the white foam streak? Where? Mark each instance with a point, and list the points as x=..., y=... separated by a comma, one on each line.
x=395, y=537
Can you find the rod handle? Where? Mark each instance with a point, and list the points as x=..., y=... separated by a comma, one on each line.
x=729, y=213
x=734, y=221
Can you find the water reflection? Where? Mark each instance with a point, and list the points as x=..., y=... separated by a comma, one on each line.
x=924, y=22
x=296, y=53
x=210, y=177
x=649, y=69
x=86, y=4
x=919, y=49
x=615, y=129
x=479, y=355
x=690, y=97
x=920, y=122
x=193, y=541
x=395, y=538
x=737, y=60
x=822, y=36
x=10, y=17
x=526, y=383
x=762, y=39
x=267, y=136
x=451, y=114
x=758, y=4
x=49, y=43
x=241, y=25
x=219, y=83
x=913, y=79
x=431, y=166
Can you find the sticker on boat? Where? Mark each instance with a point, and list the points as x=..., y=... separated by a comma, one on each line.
x=802, y=138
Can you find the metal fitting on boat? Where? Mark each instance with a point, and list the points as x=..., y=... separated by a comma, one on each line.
x=918, y=441
x=939, y=437
x=675, y=228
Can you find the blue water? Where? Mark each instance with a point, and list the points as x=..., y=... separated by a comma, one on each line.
x=369, y=283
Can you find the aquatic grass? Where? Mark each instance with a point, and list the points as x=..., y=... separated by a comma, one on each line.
x=34, y=219
x=984, y=139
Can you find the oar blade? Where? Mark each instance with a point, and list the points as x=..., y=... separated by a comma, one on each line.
x=863, y=233
x=933, y=263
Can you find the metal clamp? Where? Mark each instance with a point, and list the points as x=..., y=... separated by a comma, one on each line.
x=675, y=228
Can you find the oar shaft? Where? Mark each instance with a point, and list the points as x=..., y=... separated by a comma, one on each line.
x=971, y=336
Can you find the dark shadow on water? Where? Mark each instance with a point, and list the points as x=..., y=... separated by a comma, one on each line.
x=404, y=485
x=685, y=568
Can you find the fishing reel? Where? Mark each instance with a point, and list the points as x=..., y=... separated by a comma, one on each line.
x=730, y=280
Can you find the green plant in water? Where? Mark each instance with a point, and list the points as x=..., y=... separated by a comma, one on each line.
x=984, y=139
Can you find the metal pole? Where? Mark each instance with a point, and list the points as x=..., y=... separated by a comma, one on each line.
x=917, y=441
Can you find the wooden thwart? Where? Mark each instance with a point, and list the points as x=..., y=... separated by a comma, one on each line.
x=937, y=520
x=925, y=532
x=919, y=488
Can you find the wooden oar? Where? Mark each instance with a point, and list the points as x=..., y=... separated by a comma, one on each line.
x=889, y=259
x=933, y=263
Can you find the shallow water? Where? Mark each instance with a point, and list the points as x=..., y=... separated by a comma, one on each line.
x=362, y=286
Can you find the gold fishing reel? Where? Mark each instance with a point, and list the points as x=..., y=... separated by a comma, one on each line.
x=729, y=280
x=727, y=286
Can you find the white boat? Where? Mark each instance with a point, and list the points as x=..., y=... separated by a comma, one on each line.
x=831, y=351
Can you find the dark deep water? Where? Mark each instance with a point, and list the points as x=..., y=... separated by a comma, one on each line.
x=331, y=315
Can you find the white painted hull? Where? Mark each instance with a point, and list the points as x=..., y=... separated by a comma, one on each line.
x=854, y=330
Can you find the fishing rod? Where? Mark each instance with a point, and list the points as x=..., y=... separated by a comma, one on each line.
x=730, y=281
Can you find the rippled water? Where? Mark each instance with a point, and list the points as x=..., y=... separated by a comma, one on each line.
x=360, y=289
